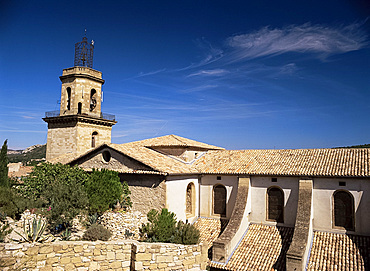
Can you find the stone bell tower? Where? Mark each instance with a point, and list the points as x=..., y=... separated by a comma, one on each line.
x=79, y=125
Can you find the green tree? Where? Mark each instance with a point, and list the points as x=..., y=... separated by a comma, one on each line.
x=103, y=189
x=4, y=181
x=46, y=174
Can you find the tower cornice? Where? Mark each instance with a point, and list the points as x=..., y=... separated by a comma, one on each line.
x=79, y=119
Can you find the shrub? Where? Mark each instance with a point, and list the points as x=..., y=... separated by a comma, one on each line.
x=186, y=234
x=96, y=232
x=103, y=189
x=64, y=201
x=161, y=227
x=11, y=203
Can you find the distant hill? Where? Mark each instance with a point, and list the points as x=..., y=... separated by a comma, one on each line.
x=356, y=146
x=34, y=153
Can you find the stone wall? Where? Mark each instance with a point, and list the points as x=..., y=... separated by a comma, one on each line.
x=114, y=255
x=147, y=191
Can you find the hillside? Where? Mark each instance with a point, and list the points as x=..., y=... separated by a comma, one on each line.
x=36, y=153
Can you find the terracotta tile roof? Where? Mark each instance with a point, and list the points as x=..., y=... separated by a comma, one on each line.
x=154, y=159
x=332, y=251
x=209, y=228
x=262, y=248
x=300, y=162
x=173, y=141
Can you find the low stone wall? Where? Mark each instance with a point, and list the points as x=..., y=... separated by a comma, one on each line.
x=113, y=255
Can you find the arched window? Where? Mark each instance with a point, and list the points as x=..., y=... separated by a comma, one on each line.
x=219, y=200
x=344, y=210
x=275, y=204
x=94, y=139
x=68, y=98
x=92, y=99
x=190, y=200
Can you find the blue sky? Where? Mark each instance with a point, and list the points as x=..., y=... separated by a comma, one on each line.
x=237, y=74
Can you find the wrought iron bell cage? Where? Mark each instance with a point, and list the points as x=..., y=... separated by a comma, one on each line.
x=84, y=52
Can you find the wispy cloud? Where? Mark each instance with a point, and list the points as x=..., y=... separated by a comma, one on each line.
x=306, y=38
x=215, y=72
x=142, y=74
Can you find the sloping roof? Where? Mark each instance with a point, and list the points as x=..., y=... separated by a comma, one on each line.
x=299, y=162
x=173, y=141
x=209, y=229
x=332, y=251
x=154, y=159
x=262, y=248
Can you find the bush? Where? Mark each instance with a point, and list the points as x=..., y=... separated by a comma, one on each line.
x=96, y=232
x=64, y=201
x=11, y=203
x=104, y=189
x=161, y=227
x=186, y=234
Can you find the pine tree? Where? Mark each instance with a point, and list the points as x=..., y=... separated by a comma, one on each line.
x=4, y=182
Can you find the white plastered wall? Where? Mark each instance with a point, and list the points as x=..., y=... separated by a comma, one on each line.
x=323, y=203
x=176, y=196
x=206, y=194
x=259, y=186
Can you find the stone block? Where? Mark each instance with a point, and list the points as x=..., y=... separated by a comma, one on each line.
x=46, y=268
x=51, y=261
x=65, y=260
x=32, y=251
x=58, y=248
x=96, y=252
x=115, y=264
x=138, y=265
x=94, y=266
x=70, y=266
x=41, y=257
x=143, y=257
x=78, y=249
x=46, y=249
x=100, y=258
x=13, y=246
x=111, y=255
x=76, y=260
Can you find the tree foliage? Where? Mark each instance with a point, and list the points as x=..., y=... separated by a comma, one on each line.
x=4, y=182
x=46, y=174
x=104, y=189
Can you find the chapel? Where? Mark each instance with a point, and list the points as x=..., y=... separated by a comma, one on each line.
x=288, y=209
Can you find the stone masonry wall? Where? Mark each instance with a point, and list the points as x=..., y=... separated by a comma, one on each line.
x=113, y=255
x=147, y=191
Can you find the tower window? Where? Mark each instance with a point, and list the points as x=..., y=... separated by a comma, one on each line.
x=92, y=99
x=94, y=139
x=79, y=108
x=190, y=200
x=68, y=98
x=219, y=200
x=275, y=204
x=344, y=210
x=274, y=180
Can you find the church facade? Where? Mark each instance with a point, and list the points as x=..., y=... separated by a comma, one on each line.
x=302, y=209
